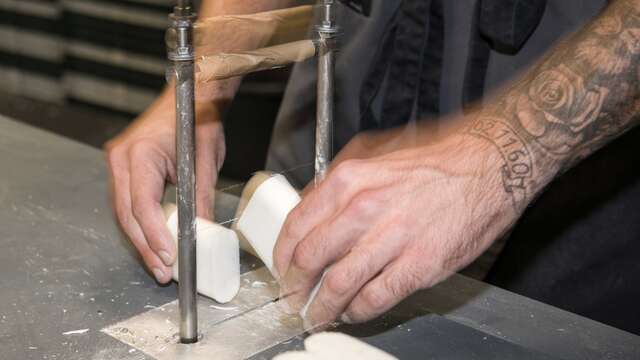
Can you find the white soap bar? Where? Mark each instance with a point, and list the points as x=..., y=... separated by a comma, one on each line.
x=295, y=355
x=339, y=346
x=217, y=259
x=247, y=193
x=335, y=346
x=264, y=215
x=266, y=201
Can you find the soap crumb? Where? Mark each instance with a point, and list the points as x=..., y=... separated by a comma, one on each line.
x=258, y=284
x=76, y=332
x=223, y=308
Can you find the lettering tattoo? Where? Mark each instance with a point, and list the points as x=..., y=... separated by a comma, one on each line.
x=583, y=94
x=517, y=171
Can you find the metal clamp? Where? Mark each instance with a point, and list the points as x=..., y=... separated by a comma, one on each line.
x=179, y=39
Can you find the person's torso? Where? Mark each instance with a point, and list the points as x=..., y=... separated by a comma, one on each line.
x=580, y=239
x=450, y=68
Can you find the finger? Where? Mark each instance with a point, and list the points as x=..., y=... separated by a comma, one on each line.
x=323, y=246
x=119, y=179
x=345, y=278
x=148, y=171
x=329, y=198
x=397, y=281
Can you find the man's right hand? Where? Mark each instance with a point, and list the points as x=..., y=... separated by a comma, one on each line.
x=142, y=160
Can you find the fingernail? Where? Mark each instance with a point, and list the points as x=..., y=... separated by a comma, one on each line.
x=166, y=258
x=159, y=274
x=346, y=319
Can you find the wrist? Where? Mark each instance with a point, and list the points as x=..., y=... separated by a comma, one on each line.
x=523, y=172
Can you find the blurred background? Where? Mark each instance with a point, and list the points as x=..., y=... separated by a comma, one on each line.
x=86, y=68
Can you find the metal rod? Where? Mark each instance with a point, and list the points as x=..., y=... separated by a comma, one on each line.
x=180, y=42
x=185, y=141
x=327, y=31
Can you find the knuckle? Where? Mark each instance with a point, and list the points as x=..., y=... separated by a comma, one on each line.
x=343, y=172
x=304, y=256
x=140, y=149
x=112, y=144
x=139, y=207
x=113, y=153
x=108, y=145
x=290, y=229
x=364, y=203
x=331, y=306
x=338, y=282
x=122, y=213
x=366, y=259
x=401, y=287
x=374, y=298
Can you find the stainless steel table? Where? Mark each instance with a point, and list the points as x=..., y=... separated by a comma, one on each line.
x=67, y=276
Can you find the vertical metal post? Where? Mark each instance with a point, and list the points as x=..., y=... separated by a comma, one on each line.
x=327, y=31
x=181, y=53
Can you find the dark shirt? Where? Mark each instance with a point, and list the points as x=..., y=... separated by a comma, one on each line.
x=578, y=246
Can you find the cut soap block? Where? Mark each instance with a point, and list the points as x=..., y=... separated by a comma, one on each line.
x=217, y=260
x=336, y=346
x=339, y=346
x=266, y=201
x=247, y=193
x=270, y=199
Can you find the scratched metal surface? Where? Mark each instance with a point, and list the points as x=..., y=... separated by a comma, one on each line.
x=65, y=268
x=64, y=265
x=236, y=330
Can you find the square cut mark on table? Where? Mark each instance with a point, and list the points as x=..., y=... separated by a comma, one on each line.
x=249, y=324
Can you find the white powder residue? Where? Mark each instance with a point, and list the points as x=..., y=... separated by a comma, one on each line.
x=223, y=308
x=76, y=332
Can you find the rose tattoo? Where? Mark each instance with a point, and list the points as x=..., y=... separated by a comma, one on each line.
x=603, y=52
x=557, y=108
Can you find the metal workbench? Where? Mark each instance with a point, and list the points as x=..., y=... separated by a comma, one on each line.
x=67, y=276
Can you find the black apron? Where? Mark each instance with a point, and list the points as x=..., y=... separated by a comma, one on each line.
x=411, y=57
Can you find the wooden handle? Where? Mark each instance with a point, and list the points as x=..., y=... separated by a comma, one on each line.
x=224, y=66
x=225, y=33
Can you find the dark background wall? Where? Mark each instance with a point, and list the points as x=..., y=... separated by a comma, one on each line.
x=86, y=68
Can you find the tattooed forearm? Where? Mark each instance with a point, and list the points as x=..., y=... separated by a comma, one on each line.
x=517, y=171
x=583, y=94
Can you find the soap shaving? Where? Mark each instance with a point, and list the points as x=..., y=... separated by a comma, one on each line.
x=76, y=332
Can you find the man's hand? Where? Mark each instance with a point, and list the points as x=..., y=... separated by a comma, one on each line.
x=389, y=225
x=142, y=160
